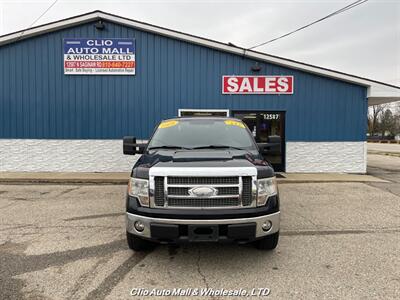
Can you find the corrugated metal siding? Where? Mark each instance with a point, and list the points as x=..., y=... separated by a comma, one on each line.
x=39, y=101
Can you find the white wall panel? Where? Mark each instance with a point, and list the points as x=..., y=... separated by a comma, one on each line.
x=64, y=156
x=335, y=157
x=106, y=156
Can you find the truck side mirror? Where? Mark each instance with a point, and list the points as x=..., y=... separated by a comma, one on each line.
x=129, y=145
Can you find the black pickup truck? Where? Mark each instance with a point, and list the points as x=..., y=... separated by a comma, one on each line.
x=201, y=179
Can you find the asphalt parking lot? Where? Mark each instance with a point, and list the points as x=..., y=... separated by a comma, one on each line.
x=338, y=240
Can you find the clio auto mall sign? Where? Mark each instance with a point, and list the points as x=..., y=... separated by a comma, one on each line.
x=257, y=84
x=111, y=56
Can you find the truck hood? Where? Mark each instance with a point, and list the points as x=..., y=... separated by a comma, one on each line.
x=209, y=158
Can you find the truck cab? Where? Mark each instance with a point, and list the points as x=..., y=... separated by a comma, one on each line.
x=201, y=179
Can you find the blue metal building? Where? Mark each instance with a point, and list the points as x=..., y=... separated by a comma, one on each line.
x=52, y=120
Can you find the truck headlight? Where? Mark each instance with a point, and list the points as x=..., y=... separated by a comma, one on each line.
x=266, y=188
x=139, y=188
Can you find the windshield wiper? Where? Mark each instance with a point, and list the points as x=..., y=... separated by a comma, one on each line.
x=168, y=147
x=218, y=147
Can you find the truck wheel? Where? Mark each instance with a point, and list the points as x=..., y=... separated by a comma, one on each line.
x=269, y=242
x=138, y=244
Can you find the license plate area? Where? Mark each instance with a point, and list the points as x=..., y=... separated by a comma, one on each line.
x=203, y=233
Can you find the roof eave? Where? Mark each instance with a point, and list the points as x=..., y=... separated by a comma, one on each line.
x=381, y=100
x=49, y=27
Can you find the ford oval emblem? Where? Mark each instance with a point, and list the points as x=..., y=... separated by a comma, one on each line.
x=203, y=191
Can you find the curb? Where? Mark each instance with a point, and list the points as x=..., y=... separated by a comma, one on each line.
x=330, y=181
x=63, y=178
x=64, y=181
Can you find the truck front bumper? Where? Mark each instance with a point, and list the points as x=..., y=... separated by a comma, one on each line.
x=182, y=230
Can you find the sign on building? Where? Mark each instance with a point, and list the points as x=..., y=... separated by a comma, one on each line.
x=257, y=84
x=99, y=56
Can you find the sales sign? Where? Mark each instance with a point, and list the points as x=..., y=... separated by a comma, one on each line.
x=99, y=56
x=257, y=84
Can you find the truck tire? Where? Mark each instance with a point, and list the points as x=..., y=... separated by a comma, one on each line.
x=269, y=242
x=138, y=244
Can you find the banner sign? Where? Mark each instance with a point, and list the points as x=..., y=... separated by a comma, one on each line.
x=257, y=84
x=99, y=56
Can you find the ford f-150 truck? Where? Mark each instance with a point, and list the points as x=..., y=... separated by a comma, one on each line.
x=201, y=179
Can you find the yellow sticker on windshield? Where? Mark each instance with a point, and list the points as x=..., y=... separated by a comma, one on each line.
x=234, y=123
x=168, y=124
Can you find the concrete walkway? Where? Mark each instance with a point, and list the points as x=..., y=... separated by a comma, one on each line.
x=393, y=148
x=326, y=177
x=384, y=149
x=122, y=178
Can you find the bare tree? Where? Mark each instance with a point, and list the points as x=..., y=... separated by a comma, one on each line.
x=374, y=113
x=387, y=123
x=397, y=108
x=397, y=118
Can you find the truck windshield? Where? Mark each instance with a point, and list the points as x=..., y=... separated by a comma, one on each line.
x=201, y=134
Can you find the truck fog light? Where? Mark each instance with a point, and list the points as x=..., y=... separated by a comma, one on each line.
x=139, y=226
x=266, y=225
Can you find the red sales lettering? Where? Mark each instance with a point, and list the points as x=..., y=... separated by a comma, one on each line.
x=257, y=84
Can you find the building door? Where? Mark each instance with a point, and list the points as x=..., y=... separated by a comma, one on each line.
x=267, y=127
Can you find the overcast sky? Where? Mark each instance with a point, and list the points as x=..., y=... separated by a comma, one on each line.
x=364, y=41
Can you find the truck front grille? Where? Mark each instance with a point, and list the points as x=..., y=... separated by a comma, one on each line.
x=203, y=202
x=247, y=195
x=203, y=180
x=230, y=192
x=159, y=196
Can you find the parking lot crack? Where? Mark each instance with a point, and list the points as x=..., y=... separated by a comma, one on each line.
x=87, y=277
x=64, y=192
x=14, y=262
x=339, y=232
x=14, y=227
x=19, y=264
x=35, y=227
x=95, y=216
x=203, y=277
x=111, y=281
